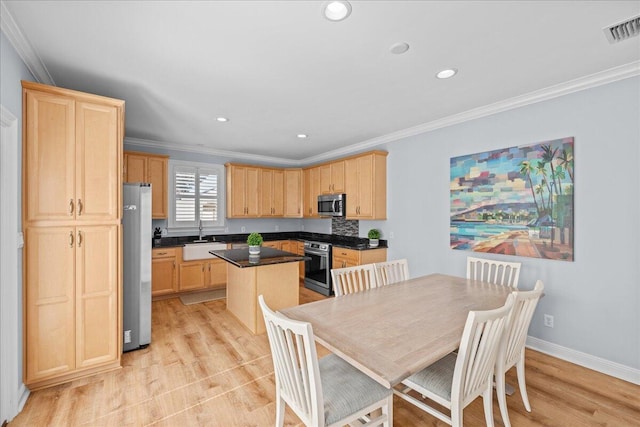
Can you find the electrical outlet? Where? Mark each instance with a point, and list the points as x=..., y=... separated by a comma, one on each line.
x=226, y=229
x=243, y=229
x=391, y=235
x=127, y=337
x=548, y=321
x=277, y=228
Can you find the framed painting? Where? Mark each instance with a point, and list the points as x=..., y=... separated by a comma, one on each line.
x=515, y=201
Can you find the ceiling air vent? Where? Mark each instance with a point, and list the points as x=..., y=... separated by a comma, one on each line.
x=623, y=30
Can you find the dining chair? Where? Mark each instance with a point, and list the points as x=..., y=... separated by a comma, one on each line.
x=349, y=280
x=496, y=272
x=512, y=352
x=457, y=379
x=392, y=271
x=325, y=392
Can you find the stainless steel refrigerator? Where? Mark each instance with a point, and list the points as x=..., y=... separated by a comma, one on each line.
x=136, y=238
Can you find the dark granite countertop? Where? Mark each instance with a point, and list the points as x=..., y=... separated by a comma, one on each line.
x=241, y=258
x=357, y=243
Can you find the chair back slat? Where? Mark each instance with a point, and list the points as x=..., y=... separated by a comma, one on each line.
x=392, y=271
x=497, y=272
x=353, y=279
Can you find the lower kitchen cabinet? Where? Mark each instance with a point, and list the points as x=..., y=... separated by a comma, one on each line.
x=343, y=257
x=216, y=274
x=163, y=271
x=71, y=302
x=192, y=275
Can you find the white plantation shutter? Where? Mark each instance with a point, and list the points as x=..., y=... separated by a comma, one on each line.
x=198, y=195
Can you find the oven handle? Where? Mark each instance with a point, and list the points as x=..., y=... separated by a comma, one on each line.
x=307, y=251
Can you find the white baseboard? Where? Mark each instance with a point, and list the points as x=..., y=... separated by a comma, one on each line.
x=24, y=395
x=604, y=366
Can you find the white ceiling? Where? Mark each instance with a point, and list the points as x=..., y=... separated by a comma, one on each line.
x=278, y=68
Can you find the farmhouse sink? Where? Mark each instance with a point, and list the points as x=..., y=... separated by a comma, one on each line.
x=193, y=251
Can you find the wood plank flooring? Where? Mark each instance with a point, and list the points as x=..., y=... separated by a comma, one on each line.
x=204, y=369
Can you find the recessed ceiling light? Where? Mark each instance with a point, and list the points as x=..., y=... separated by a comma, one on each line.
x=222, y=119
x=336, y=10
x=302, y=135
x=399, y=48
x=445, y=74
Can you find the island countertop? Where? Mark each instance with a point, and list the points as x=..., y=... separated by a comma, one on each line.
x=241, y=258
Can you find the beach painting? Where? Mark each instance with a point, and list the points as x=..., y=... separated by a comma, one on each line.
x=515, y=201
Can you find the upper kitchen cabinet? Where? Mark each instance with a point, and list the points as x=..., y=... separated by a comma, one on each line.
x=72, y=150
x=332, y=177
x=272, y=192
x=366, y=186
x=293, y=193
x=243, y=195
x=311, y=183
x=150, y=168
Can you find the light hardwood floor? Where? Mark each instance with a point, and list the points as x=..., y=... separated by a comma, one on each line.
x=203, y=368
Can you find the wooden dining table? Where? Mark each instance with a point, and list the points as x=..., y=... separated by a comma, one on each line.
x=394, y=331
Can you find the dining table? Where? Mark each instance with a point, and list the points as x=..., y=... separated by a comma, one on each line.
x=394, y=331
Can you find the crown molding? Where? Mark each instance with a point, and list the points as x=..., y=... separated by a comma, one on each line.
x=594, y=80
x=21, y=44
x=199, y=149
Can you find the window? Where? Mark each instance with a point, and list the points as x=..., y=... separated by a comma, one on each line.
x=197, y=194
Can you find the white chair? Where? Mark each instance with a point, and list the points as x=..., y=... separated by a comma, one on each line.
x=512, y=353
x=325, y=392
x=496, y=272
x=349, y=280
x=392, y=271
x=456, y=380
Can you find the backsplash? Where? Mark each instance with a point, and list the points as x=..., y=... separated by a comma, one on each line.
x=344, y=227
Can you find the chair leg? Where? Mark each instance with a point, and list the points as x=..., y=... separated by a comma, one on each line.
x=502, y=397
x=279, y=411
x=388, y=411
x=487, y=400
x=522, y=383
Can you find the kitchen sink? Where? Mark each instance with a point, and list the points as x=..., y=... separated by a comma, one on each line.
x=193, y=251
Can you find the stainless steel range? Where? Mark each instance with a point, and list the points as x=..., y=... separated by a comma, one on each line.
x=317, y=267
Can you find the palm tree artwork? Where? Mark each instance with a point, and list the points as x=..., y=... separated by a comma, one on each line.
x=514, y=201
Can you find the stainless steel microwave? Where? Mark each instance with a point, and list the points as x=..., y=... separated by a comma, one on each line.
x=332, y=205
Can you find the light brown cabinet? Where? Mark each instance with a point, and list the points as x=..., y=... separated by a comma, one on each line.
x=163, y=271
x=153, y=169
x=216, y=273
x=366, y=186
x=271, y=192
x=293, y=193
x=72, y=202
x=343, y=257
x=243, y=191
x=311, y=181
x=332, y=177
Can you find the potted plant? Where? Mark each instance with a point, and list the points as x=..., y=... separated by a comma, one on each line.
x=374, y=236
x=254, y=241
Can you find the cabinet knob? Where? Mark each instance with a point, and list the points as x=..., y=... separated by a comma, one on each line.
x=79, y=239
x=71, y=207
x=79, y=206
x=71, y=239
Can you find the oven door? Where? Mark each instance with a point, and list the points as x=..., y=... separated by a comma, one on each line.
x=317, y=271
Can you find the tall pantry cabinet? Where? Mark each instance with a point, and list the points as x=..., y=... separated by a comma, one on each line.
x=71, y=214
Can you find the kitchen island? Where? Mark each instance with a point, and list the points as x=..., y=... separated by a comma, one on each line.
x=273, y=273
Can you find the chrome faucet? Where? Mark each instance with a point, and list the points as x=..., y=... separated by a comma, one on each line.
x=200, y=230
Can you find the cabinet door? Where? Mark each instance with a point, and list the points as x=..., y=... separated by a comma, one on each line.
x=216, y=273
x=192, y=276
x=278, y=193
x=236, y=189
x=98, y=154
x=252, y=193
x=293, y=193
x=158, y=178
x=266, y=192
x=325, y=179
x=135, y=167
x=365, y=186
x=311, y=192
x=337, y=177
x=97, y=287
x=163, y=276
x=49, y=302
x=50, y=156
x=352, y=187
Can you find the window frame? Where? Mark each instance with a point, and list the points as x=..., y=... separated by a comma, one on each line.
x=219, y=225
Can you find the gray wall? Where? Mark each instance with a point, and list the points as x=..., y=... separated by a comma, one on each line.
x=596, y=299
